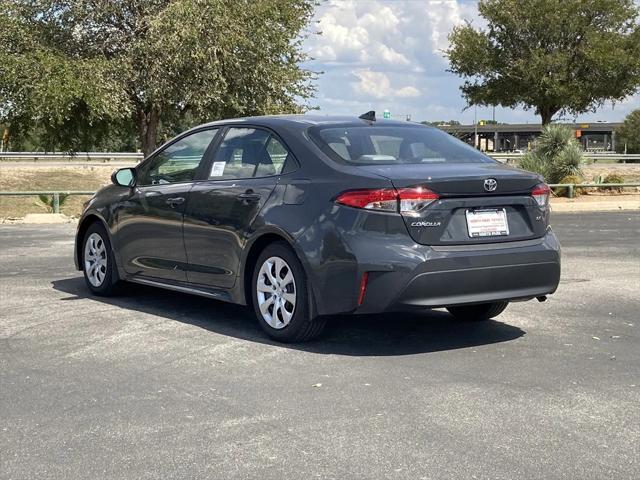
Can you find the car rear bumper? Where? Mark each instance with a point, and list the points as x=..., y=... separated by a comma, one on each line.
x=457, y=276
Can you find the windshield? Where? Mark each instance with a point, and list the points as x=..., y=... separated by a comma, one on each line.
x=380, y=145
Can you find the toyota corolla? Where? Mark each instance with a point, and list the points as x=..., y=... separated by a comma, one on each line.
x=301, y=217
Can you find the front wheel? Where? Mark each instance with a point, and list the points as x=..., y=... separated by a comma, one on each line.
x=483, y=311
x=98, y=264
x=281, y=298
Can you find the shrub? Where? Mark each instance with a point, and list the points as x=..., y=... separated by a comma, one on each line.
x=534, y=163
x=555, y=155
x=612, y=178
x=564, y=191
x=47, y=202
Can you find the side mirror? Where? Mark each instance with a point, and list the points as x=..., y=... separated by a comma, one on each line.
x=125, y=177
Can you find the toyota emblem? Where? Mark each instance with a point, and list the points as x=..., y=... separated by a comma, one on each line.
x=490, y=184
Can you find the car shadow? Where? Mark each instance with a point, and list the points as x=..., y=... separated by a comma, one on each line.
x=354, y=335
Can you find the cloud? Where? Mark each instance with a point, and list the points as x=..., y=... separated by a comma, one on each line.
x=359, y=33
x=388, y=54
x=378, y=85
x=339, y=41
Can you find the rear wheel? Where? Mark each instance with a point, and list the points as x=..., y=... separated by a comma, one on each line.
x=98, y=264
x=281, y=298
x=484, y=311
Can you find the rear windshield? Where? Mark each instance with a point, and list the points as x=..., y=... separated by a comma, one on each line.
x=381, y=145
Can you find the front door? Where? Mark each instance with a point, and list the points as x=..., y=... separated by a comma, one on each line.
x=221, y=210
x=149, y=222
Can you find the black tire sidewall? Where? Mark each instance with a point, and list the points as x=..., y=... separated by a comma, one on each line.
x=108, y=285
x=300, y=322
x=484, y=311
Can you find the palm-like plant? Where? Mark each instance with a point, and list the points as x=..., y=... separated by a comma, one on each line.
x=47, y=201
x=556, y=154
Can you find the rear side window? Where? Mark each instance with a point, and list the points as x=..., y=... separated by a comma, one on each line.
x=387, y=145
x=248, y=153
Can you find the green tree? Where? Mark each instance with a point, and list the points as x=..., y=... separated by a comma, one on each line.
x=438, y=123
x=628, y=135
x=154, y=66
x=68, y=101
x=566, y=56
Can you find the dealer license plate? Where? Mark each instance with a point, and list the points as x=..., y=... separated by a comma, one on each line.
x=487, y=223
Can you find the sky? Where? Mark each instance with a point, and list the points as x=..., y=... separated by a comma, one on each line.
x=387, y=54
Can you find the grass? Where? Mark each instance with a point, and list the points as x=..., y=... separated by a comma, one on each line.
x=54, y=178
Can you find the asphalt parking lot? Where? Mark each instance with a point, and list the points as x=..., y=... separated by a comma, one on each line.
x=161, y=385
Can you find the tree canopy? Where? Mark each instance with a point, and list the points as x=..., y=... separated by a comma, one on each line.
x=79, y=70
x=628, y=135
x=554, y=56
x=439, y=123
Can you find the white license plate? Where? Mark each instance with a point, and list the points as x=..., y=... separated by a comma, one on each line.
x=487, y=223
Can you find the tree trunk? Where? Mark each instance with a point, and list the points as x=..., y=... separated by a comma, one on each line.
x=148, y=122
x=5, y=141
x=547, y=113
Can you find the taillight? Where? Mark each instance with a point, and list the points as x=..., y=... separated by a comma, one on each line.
x=385, y=199
x=406, y=200
x=541, y=193
x=412, y=200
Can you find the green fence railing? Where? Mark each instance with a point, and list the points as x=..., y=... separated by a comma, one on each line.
x=572, y=186
x=56, y=193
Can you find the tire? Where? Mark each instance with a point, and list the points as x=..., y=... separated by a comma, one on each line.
x=98, y=264
x=476, y=313
x=281, y=297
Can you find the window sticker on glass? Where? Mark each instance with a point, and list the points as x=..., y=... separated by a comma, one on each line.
x=218, y=169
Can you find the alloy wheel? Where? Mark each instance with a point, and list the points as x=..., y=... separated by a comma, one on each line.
x=95, y=259
x=276, y=292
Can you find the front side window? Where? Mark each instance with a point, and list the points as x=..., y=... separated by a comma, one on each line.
x=179, y=161
x=387, y=145
x=248, y=153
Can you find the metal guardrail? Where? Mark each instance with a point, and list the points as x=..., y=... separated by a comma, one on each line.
x=107, y=157
x=594, y=157
x=572, y=186
x=56, y=193
x=86, y=157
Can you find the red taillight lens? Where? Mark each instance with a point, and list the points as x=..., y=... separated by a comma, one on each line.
x=385, y=199
x=412, y=200
x=405, y=200
x=541, y=193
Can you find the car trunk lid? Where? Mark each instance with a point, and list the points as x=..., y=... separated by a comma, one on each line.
x=466, y=192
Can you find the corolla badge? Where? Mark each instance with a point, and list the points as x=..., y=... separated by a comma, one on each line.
x=426, y=224
x=490, y=184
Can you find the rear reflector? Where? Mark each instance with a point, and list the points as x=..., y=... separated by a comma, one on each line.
x=405, y=200
x=363, y=287
x=541, y=194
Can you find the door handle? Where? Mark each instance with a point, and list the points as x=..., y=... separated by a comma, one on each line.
x=175, y=201
x=249, y=196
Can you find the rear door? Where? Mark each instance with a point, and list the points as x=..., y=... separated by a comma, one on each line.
x=222, y=208
x=149, y=235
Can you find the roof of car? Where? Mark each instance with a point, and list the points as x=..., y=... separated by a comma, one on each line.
x=307, y=120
